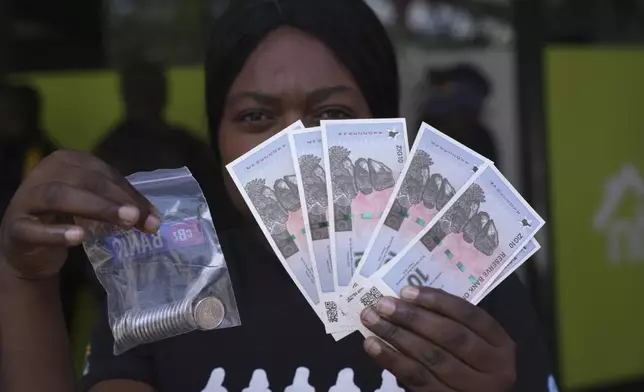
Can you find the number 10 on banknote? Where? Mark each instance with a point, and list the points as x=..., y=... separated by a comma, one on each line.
x=362, y=161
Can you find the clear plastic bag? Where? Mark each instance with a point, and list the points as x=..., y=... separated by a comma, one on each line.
x=168, y=283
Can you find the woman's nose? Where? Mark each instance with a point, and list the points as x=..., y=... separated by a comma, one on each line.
x=292, y=116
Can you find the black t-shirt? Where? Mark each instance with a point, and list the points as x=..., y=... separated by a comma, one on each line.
x=280, y=334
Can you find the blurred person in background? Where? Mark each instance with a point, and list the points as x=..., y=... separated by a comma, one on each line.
x=269, y=64
x=144, y=140
x=23, y=144
x=454, y=104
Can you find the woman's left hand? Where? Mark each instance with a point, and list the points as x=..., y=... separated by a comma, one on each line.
x=444, y=343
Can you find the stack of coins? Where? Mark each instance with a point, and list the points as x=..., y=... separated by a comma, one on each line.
x=138, y=327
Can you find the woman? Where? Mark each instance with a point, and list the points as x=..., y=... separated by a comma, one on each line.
x=270, y=63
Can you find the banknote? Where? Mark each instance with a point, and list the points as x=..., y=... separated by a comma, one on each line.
x=524, y=254
x=464, y=248
x=437, y=168
x=307, y=153
x=362, y=162
x=265, y=177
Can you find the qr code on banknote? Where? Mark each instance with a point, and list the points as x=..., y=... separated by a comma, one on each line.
x=371, y=297
x=331, y=311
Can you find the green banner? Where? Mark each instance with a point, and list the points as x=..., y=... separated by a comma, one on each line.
x=595, y=122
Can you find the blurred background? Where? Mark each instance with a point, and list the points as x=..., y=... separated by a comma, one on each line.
x=559, y=95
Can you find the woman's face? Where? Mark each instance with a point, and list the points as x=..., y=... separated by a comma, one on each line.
x=290, y=76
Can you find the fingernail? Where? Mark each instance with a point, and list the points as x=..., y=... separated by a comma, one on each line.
x=369, y=316
x=386, y=306
x=152, y=223
x=372, y=346
x=129, y=215
x=74, y=235
x=409, y=293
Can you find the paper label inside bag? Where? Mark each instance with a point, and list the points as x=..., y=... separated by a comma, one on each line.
x=136, y=245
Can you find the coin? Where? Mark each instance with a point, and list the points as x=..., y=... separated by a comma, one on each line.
x=189, y=315
x=209, y=313
x=176, y=322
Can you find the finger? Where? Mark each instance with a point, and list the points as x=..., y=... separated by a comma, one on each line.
x=62, y=198
x=455, y=338
x=149, y=217
x=415, y=376
x=445, y=366
x=115, y=189
x=459, y=310
x=86, y=161
x=90, y=162
x=146, y=205
x=32, y=231
x=97, y=183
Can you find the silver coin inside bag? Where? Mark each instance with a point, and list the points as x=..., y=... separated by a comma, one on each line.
x=143, y=326
x=209, y=313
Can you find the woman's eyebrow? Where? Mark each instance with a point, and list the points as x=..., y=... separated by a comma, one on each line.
x=322, y=94
x=312, y=98
x=263, y=99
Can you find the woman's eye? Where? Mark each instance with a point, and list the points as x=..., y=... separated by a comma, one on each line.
x=334, y=114
x=331, y=114
x=255, y=117
x=254, y=121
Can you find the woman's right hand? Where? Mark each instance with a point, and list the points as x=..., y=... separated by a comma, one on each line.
x=38, y=225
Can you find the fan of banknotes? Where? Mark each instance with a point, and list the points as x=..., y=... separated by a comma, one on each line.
x=354, y=215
